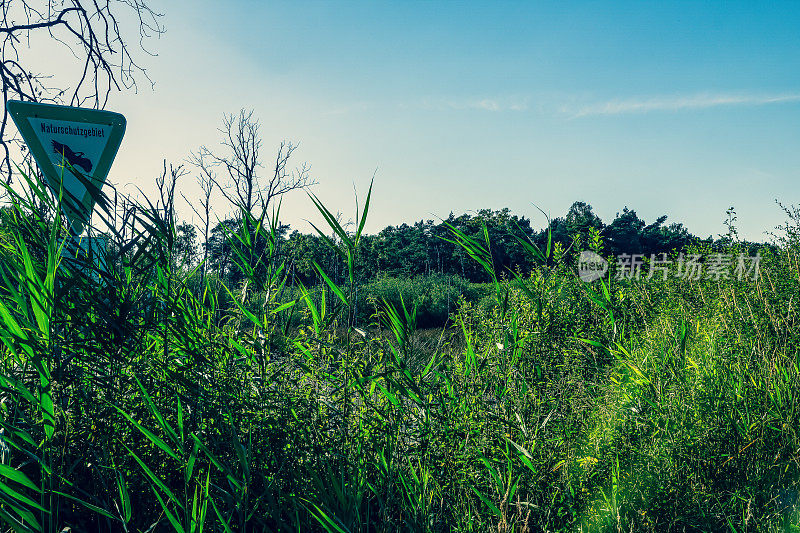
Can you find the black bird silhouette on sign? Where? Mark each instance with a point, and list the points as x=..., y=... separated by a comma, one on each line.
x=76, y=159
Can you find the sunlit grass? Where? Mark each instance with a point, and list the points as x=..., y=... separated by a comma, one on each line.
x=144, y=397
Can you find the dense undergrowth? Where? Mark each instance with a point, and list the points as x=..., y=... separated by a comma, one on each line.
x=142, y=397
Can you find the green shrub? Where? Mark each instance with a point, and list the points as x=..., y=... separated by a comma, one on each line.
x=436, y=297
x=144, y=398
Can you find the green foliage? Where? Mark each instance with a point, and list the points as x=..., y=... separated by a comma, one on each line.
x=271, y=396
x=436, y=297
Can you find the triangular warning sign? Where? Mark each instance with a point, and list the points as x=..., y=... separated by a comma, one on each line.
x=74, y=144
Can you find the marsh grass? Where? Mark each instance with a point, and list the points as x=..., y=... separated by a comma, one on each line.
x=134, y=398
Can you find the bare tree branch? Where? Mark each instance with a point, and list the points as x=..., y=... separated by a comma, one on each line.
x=246, y=187
x=90, y=30
x=207, y=181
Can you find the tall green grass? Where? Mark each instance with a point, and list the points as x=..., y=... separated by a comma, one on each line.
x=135, y=398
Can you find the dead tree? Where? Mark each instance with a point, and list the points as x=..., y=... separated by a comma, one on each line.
x=249, y=186
x=89, y=30
x=164, y=212
x=206, y=180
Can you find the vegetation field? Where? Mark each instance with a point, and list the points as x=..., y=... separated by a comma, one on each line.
x=140, y=391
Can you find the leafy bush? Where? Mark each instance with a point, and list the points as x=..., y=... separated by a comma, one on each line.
x=435, y=297
x=139, y=397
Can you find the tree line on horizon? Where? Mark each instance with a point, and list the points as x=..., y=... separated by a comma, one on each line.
x=237, y=170
x=426, y=247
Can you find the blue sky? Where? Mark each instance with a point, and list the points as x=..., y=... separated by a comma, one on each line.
x=680, y=108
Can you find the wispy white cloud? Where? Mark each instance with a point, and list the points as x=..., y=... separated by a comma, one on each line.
x=578, y=107
x=438, y=104
x=353, y=107
x=479, y=104
x=489, y=104
x=675, y=103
